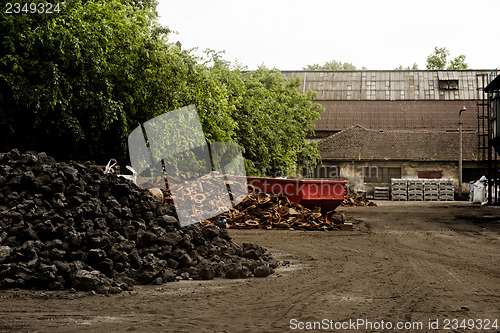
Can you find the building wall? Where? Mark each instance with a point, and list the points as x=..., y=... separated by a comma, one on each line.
x=408, y=99
x=396, y=100
x=355, y=172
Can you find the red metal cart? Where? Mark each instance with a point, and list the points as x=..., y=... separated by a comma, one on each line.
x=310, y=193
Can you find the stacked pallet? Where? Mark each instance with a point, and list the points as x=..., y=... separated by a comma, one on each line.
x=381, y=193
x=399, y=189
x=446, y=190
x=431, y=189
x=422, y=189
x=415, y=189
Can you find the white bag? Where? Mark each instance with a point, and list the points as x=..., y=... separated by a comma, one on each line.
x=479, y=191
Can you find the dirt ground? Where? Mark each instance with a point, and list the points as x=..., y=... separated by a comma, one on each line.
x=423, y=265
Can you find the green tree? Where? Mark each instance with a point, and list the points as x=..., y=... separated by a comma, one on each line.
x=77, y=83
x=284, y=119
x=273, y=118
x=63, y=77
x=414, y=67
x=332, y=66
x=439, y=60
x=458, y=63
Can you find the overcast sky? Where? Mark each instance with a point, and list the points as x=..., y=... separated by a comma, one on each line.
x=383, y=34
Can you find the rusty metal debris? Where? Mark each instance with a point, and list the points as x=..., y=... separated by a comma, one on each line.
x=357, y=200
x=203, y=197
x=268, y=211
x=257, y=210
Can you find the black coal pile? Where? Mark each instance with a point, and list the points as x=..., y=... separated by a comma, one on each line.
x=68, y=225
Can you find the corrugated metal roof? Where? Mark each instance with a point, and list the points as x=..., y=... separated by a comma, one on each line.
x=447, y=75
x=388, y=85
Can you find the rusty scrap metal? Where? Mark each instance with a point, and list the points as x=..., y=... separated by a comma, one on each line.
x=257, y=210
x=268, y=211
x=211, y=200
x=357, y=200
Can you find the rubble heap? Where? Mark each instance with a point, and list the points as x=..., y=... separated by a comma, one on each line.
x=67, y=225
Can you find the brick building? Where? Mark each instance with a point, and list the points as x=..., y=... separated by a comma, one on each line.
x=402, y=123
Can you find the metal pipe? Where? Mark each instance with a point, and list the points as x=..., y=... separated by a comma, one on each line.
x=460, y=152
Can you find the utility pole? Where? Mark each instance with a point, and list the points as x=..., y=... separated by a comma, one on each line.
x=460, y=152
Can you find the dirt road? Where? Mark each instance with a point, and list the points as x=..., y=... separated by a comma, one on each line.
x=406, y=263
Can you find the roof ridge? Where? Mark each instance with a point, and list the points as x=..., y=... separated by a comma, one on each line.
x=418, y=130
x=345, y=130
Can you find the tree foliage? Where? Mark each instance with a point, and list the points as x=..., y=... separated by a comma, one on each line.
x=76, y=83
x=439, y=60
x=458, y=63
x=275, y=112
x=332, y=66
x=401, y=68
x=73, y=82
x=272, y=117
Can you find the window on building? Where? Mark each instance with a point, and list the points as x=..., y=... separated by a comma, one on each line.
x=321, y=171
x=448, y=80
x=448, y=84
x=430, y=174
x=381, y=175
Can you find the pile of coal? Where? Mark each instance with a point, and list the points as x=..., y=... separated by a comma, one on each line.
x=68, y=225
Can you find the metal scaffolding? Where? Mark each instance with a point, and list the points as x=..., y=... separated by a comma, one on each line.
x=482, y=116
x=492, y=108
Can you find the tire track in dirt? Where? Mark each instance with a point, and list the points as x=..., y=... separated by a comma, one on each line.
x=402, y=263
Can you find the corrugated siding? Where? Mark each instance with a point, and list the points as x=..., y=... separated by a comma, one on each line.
x=388, y=85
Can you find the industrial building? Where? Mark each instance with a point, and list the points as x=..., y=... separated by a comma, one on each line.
x=379, y=125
